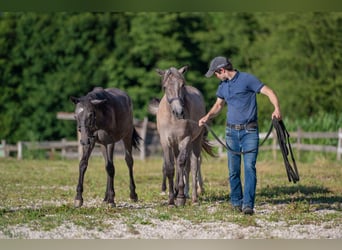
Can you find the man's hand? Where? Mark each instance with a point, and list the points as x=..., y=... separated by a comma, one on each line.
x=203, y=121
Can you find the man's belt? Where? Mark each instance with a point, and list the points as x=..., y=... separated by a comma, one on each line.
x=242, y=126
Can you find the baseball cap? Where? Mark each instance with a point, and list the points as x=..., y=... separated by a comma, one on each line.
x=215, y=64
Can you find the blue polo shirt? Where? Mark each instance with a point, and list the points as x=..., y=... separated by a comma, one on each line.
x=240, y=95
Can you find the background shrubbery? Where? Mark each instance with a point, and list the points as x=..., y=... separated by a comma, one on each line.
x=47, y=57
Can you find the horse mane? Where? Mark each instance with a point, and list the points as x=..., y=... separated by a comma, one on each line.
x=97, y=93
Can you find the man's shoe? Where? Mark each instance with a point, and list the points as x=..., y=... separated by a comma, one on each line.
x=248, y=210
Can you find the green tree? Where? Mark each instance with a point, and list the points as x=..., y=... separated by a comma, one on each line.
x=147, y=41
x=227, y=34
x=299, y=55
x=47, y=57
x=9, y=80
x=53, y=56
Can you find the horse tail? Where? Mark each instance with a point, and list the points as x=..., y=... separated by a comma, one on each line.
x=136, y=139
x=153, y=106
x=207, y=146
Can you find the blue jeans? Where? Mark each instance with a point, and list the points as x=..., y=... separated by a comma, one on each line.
x=241, y=141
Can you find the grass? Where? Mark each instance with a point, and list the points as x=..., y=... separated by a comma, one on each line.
x=39, y=194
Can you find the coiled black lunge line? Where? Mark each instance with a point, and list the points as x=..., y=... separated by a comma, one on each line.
x=285, y=147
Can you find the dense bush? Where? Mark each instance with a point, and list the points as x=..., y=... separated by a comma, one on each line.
x=46, y=57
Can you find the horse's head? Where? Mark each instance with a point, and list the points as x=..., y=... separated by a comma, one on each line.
x=174, y=87
x=85, y=115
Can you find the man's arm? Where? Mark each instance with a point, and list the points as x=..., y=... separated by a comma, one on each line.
x=273, y=99
x=216, y=108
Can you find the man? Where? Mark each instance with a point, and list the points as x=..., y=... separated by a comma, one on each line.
x=238, y=90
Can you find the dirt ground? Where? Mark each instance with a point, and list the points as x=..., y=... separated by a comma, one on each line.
x=183, y=229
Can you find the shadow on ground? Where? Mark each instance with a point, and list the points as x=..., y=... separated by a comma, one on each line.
x=322, y=197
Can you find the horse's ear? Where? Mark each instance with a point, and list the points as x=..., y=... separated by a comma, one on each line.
x=183, y=69
x=160, y=72
x=74, y=99
x=97, y=101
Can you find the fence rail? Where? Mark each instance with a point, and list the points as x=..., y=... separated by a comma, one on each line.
x=151, y=145
x=301, y=135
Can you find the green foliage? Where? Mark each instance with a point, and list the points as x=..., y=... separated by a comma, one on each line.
x=47, y=57
x=298, y=56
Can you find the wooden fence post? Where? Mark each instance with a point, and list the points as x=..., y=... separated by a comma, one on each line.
x=63, y=151
x=339, y=145
x=3, y=150
x=20, y=150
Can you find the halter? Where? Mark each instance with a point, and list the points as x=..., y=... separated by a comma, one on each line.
x=170, y=100
x=175, y=99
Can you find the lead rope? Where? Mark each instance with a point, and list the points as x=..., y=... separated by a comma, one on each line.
x=226, y=146
x=285, y=147
x=284, y=144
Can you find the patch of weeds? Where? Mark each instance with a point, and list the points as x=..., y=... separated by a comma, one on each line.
x=303, y=213
x=7, y=232
x=44, y=219
x=20, y=216
x=164, y=216
x=245, y=220
x=137, y=220
x=275, y=217
x=298, y=207
x=91, y=218
x=333, y=217
x=142, y=220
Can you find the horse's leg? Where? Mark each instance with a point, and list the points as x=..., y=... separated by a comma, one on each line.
x=86, y=151
x=200, y=186
x=194, y=172
x=107, y=152
x=186, y=179
x=169, y=171
x=163, y=188
x=196, y=169
x=175, y=154
x=129, y=161
x=182, y=159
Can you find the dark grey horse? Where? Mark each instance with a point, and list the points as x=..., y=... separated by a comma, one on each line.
x=181, y=138
x=105, y=116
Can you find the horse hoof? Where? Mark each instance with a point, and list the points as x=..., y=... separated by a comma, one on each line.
x=134, y=197
x=171, y=203
x=180, y=202
x=78, y=203
x=163, y=193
